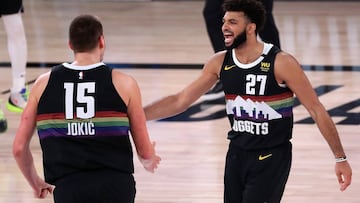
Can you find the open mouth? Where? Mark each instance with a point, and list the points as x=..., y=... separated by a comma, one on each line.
x=228, y=37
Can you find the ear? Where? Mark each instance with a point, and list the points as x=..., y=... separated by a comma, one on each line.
x=102, y=41
x=251, y=27
x=70, y=45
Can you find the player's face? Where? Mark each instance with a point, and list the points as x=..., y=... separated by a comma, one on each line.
x=234, y=29
x=238, y=40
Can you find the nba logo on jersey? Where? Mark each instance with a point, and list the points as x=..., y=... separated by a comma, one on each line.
x=81, y=75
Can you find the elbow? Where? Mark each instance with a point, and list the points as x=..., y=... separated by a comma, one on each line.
x=316, y=110
x=180, y=107
x=18, y=151
x=182, y=103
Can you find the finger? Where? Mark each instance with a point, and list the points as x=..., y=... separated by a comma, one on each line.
x=341, y=183
x=43, y=193
x=346, y=182
x=150, y=169
x=343, y=186
x=50, y=189
x=340, y=178
x=37, y=194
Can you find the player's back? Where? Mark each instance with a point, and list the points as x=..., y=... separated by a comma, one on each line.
x=82, y=122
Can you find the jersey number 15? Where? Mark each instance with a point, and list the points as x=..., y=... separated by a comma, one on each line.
x=82, y=89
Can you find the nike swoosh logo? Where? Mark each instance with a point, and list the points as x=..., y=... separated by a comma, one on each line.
x=261, y=157
x=229, y=67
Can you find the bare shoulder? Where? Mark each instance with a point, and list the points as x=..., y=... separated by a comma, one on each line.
x=120, y=78
x=39, y=86
x=125, y=85
x=43, y=78
x=217, y=58
x=123, y=81
x=285, y=59
x=286, y=67
x=41, y=81
x=214, y=63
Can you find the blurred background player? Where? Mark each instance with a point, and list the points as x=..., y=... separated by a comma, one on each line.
x=10, y=12
x=3, y=121
x=213, y=14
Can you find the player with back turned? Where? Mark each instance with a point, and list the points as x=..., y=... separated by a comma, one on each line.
x=84, y=113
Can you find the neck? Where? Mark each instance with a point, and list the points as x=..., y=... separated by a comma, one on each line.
x=87, y=58
x=249, y=51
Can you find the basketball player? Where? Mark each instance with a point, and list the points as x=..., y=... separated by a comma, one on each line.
x=213, y=14
x=84, y=112
x=10, y=12
x=259, y=82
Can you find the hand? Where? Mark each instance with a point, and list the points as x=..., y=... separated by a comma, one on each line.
x=343, y=173
x=42, y=189
x=152, y=163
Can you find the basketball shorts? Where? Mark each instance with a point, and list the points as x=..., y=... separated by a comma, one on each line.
x=10, y=7
x=101, y=186
x=256, y=176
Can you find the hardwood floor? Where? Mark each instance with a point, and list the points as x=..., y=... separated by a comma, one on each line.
x=318, y=34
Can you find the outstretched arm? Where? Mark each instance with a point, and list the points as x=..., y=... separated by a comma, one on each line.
x=289, y=71
x=176, y=103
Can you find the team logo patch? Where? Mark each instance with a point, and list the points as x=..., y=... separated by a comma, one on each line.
x=265, y=66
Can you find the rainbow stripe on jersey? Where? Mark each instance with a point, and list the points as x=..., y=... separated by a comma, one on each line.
x=105, y=123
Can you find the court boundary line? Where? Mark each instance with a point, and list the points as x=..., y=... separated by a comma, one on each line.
x=354, y=68
x=171, y=66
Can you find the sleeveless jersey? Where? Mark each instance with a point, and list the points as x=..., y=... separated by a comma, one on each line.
x=259, y=109
x=82, y=122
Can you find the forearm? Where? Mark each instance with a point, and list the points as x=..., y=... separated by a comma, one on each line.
x=329, y=131
x=144, y=148
x=166, y=107
x=26, y=164
x=331, y=135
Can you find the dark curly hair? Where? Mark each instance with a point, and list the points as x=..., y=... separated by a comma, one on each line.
x=253, y=9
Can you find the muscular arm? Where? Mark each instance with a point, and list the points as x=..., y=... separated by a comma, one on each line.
x=21, y=145
x=289, y=71
x=129, y=90
x=179, y=102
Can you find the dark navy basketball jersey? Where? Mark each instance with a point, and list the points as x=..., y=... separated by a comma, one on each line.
x=82, y=122
x=259, y=109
